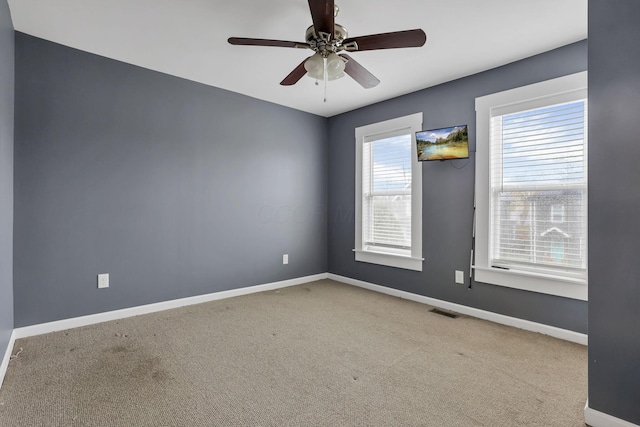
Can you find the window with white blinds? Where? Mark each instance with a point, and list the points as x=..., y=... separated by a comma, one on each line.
x=531, y=187
x=386, y=195
x=389, y=194
x=539, y=189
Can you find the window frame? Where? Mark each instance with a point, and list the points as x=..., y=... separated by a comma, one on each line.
x=411, y=123
x=563, y=89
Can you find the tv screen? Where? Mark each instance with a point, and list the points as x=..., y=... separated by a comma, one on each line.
x=443, y=144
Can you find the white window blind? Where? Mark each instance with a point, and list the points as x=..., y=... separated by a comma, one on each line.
x=386, y=195
x=538, y=174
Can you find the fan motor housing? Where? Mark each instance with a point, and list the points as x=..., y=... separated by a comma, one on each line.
x=326, y=45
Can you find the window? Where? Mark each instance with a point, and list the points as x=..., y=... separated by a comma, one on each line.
x=557, y=213
x=389, y=194
x=531, y=187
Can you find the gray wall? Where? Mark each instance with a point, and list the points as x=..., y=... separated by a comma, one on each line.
x=173, y=188
x=447, y=194
x=614, y=203
x=6, y=175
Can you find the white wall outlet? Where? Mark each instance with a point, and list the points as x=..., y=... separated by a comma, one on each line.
x=285, y=259
x=460, y=277
x=103, y=280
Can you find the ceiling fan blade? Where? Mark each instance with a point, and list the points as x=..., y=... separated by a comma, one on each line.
x=322, y=14
x=295, y=75
x=242, y=41
x=359, y=73
x=394, y=40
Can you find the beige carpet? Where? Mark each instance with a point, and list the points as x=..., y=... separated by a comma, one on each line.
x=319, y=354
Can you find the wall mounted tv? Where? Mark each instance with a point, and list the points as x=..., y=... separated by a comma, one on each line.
x=443, y=144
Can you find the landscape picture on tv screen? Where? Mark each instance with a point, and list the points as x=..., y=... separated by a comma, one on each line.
x=443, y=144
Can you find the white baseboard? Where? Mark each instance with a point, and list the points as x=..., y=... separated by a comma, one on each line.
x=7, y=357
x=469, y=311
x=595, y=418
x=75, y=322
x=45, y=328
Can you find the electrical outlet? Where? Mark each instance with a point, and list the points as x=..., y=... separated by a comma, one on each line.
x=285, y=259
x=103, y=281
x=460, y=277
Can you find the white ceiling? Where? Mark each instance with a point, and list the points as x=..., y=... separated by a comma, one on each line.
x=188, y=38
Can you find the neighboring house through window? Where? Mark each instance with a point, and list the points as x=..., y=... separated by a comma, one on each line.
x=389, y=194
x=531, y=187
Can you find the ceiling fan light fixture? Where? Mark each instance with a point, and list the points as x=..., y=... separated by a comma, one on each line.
x=315, y=66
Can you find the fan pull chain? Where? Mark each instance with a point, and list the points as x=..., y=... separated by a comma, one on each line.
x=325, y=79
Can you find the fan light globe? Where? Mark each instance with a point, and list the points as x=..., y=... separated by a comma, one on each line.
x=315, y=67
x=335, y=66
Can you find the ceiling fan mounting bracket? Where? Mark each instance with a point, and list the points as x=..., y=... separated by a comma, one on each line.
x=352, y=46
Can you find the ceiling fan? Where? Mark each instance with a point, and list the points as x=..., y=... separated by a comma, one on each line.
x=327, y=39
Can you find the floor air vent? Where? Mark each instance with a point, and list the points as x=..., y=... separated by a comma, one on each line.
x=443, y=313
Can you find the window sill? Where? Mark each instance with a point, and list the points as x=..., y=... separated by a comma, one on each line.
x=390, y=260
x=551, y=285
